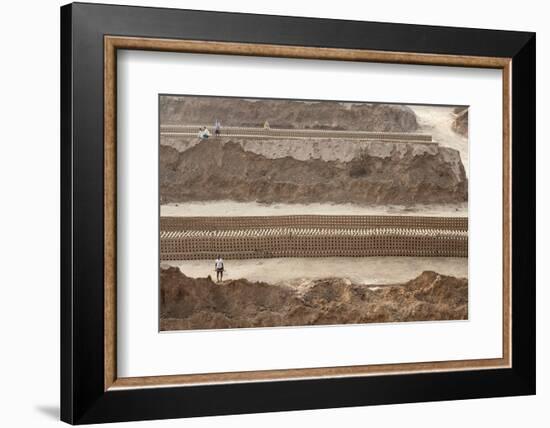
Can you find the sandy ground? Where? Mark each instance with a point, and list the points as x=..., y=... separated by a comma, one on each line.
x=297, y=271
x=438, y=122
x=232, y=208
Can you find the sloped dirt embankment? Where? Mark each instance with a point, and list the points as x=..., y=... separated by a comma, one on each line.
x=382, y=173
x=460, y=123
x=200, y=303
x=287, y=114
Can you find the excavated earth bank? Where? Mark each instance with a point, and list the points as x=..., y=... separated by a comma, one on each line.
x=460, y=123
x=200, y=303
x=378, y=173
x=286, y=114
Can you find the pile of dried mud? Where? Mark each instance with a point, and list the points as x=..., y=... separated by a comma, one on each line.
x=287, y=114
x=380, y=173
x=460, y=123
x=200, y=303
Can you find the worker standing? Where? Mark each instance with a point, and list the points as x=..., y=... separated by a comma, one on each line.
x=218, y=266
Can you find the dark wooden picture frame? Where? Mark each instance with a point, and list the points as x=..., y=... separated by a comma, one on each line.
x=90, y=389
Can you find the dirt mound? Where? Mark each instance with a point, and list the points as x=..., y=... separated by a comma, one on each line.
x=286, y=114
x=200, y=303
x=460, y=123
x=381, y=173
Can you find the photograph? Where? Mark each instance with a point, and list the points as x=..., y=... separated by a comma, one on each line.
x=261, y=212
x=290, y=212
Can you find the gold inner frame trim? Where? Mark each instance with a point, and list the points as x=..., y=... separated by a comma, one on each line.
x=113, y=43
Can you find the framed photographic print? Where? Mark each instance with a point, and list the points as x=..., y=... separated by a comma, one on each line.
x=265, y=213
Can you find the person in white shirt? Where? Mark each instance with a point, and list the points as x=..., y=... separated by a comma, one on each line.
x=204, y=133
x=218, y=265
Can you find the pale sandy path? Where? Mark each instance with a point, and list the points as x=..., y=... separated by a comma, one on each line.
x=438, y=122
x=360, y=270
x=232, y=208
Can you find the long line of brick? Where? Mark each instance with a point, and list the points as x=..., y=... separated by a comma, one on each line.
x=192, y=130
x=312, y=221
x=312, y=236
